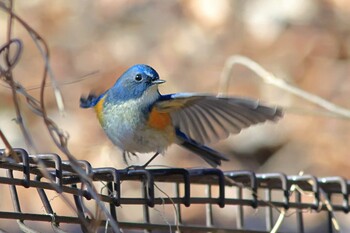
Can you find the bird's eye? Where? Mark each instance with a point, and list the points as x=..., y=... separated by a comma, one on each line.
x=138, y=77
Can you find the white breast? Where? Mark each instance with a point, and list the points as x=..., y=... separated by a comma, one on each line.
x=126, y=126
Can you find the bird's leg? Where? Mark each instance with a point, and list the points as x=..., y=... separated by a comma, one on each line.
x=125, y=153
x=137, y=167
x=149, y=161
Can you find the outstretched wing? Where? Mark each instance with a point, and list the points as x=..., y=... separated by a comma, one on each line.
x=206, y=118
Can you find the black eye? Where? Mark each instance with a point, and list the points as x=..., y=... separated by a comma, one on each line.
x=138, y=77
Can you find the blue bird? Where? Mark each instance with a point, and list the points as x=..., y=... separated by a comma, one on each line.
x=138, y=119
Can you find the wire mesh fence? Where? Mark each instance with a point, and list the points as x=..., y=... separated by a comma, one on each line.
x=277, y=197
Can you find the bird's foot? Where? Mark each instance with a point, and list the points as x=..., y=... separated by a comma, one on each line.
x=135, y=167
x=127, y=156
x=138, y=167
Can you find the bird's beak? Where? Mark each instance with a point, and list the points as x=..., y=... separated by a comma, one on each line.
x=158, y=81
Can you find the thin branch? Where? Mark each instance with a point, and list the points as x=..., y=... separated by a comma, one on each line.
x=8, y=148
x=59, y=137
x=280, y=83
x=278, y=222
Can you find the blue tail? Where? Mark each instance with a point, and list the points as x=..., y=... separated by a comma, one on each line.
x=90, y=101
x=211, y=156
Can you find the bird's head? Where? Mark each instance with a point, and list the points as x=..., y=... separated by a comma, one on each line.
x=134, y=82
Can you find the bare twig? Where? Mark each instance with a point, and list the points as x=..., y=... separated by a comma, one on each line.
x=8, y=148
x=279, y=221
x=6, y=74
x=330, y=209
x=280, y=83
x=176, y=211
x=59, y=136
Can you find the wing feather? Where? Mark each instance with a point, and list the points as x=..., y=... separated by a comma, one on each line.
x=198, y=118
x=208, y=123
x=195, y=129
x=227, y=123
x=214, y=123
x=232, y=116
x=207, y=118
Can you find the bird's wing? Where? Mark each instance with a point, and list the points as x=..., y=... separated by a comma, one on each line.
x=206, y=118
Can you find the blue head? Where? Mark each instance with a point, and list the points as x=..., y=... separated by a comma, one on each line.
x=132, y=84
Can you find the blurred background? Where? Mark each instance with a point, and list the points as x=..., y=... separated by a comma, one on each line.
x=306, y=43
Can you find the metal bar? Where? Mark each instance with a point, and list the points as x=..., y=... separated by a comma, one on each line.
x=146, y=217
x=158, y=201
x=14, y=194
x=329, y=216
x=240, y=214
x=80, y=210
x=58, y=166
x=299, y=213
x=128, y=225
x=209, y=208
x=38, y=217
x=64, y=176
x=44, y=199
x=269, y=213
x=44, y=185
x=178, y=205
x=111, y=205
x=16, y=204
x=325, y=183
x=187, y=228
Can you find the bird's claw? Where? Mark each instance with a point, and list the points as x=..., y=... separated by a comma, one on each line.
x=136, y=167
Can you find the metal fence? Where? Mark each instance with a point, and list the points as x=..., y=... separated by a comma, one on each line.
x=273, y=194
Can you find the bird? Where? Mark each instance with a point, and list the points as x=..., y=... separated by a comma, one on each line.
x=138, y=119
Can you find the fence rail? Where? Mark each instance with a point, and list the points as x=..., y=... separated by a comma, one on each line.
x=259, y=187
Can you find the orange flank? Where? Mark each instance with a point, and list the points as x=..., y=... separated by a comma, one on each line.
x=159, y=120
x=99, y=109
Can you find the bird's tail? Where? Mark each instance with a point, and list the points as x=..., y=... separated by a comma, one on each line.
x=90, y=101
x=211, y=156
